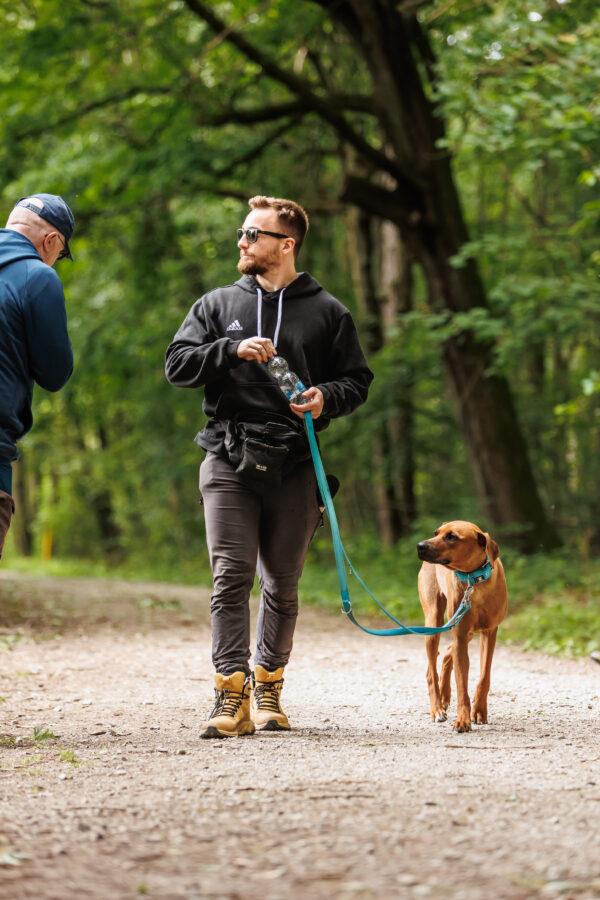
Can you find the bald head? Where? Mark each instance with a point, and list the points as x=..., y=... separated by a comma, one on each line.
x=45, y=237
x=24, y=218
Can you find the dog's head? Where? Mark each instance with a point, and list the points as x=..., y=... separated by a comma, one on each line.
x=461, y=546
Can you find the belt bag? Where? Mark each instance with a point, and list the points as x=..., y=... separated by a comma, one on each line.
x=264, y=453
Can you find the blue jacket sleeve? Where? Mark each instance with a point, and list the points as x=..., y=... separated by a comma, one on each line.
x=50, y=352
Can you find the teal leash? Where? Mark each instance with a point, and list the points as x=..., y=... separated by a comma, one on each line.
x=341, y=556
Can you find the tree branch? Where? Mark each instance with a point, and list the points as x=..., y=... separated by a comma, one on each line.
x=405, y=210
x=302, y=89
x=345, y=14
x=355, y=102
x=255, y=151
x=93, y=106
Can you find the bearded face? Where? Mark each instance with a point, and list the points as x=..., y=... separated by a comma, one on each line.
x=257, y=260
x=265, y=254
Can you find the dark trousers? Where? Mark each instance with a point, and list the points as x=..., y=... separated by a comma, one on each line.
x=7, y=508
x=255, y=528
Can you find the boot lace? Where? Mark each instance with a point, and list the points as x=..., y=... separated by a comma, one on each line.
x=266, y=695
x=227, y=703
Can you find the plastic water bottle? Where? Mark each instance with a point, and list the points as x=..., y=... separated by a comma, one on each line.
x=288, y=381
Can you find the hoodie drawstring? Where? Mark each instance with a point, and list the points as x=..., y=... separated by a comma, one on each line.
x=259, y=315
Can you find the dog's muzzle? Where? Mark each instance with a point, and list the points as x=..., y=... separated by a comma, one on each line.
x=427, y=553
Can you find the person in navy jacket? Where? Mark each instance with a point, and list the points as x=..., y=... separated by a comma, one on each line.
x=34, y=341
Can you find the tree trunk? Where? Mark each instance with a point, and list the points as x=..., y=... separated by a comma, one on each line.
x=102, y=504
x=396, y=278
x=425, y=206
x=427, y=211
x=22, y=522
x=393, y=470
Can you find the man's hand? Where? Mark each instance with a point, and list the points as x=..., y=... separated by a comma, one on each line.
x=314, y=406
x=257, y=348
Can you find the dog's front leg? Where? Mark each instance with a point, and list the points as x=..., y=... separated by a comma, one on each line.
x=438, y=713
x=486, y=652
x=460, y=658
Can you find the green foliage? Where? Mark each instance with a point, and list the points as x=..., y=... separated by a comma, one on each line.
x=552, y=607
x=557, y=626
x=156, y=130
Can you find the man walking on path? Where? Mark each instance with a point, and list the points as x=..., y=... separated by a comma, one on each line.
x=34, y=342
x=257, y=479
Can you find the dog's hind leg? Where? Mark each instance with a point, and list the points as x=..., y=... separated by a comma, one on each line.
x=487, y=642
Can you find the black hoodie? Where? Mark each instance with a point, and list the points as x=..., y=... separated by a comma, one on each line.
x=316, y=336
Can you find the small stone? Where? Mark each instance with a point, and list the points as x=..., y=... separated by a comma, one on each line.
x=559, y=887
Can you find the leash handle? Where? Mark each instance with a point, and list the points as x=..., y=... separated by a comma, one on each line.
x=341, y=556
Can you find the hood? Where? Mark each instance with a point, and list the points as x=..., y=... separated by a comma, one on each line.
x=303, y=286
x=15, y=246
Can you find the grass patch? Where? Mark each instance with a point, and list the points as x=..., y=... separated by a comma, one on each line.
x=552, y=598
x=156, y=603
x=41, y=734
x=8, y=640
x=185, y=571
x=555, y=625
x=69, y=756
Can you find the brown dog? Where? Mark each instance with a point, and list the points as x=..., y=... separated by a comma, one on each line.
x=461, y=547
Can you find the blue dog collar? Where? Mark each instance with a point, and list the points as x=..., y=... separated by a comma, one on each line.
x=477, y=575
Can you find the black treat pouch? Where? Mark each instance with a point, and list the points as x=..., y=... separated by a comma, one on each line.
x=262, y=462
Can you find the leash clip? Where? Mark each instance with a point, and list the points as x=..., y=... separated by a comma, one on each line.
x=347, y=611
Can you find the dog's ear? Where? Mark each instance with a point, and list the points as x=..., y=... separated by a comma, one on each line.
x=493, y=551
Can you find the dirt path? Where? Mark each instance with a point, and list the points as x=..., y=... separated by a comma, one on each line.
x=365, y=798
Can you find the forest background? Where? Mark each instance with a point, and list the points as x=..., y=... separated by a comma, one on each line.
x=448, y=156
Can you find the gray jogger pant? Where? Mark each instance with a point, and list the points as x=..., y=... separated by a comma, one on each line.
x=253, y=528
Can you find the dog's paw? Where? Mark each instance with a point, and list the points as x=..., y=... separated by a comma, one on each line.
x=462, y=724
x=479, y=716
x=439, y=716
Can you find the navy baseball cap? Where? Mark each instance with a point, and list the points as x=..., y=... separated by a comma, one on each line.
x=53, y=210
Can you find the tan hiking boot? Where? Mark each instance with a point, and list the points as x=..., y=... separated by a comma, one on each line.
x=231, y=714
x=266, y=710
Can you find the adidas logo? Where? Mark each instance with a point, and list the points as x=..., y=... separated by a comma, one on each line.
x=234, y=326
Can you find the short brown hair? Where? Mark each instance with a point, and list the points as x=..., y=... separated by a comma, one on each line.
x=291, y=216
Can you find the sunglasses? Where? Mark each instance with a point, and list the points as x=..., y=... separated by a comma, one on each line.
x=253, y=233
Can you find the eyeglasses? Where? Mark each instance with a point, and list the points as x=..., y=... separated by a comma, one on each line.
x=64, y=252
x=253, y=233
